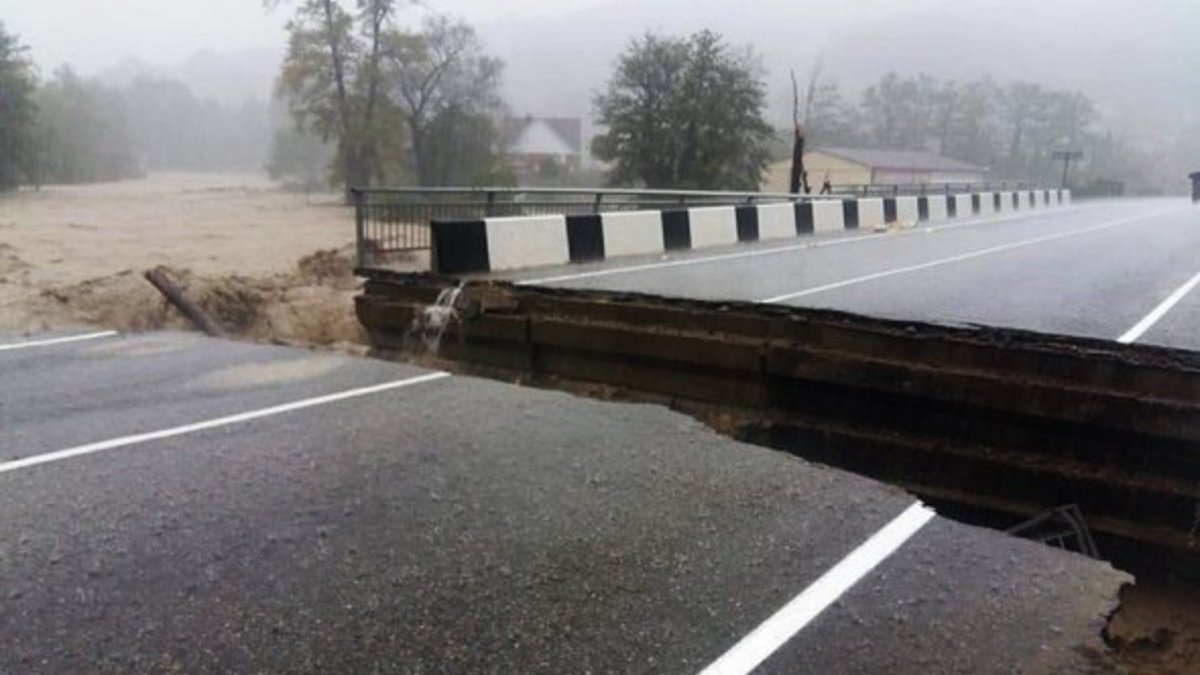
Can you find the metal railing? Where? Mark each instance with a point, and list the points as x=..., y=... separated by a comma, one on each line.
x=393, y=222
x=923, y=189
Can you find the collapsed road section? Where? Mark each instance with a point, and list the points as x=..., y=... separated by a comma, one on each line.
x=1003, y=421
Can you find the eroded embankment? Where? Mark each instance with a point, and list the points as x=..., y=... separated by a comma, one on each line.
x=1003, y=423
x=1008, y=421
x=311, y=305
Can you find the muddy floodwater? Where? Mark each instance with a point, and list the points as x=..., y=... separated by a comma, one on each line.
x=270, y=264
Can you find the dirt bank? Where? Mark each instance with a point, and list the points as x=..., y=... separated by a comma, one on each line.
x=310, y=305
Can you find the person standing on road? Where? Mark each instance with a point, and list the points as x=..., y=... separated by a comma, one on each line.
x=1195, y=176
x=826, y=187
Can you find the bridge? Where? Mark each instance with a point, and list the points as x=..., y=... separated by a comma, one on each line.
x=170, y=502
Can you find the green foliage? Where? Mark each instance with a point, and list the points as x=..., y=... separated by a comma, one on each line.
x=685, y=113
x=299, y=158
x=331, y=79
x=18, y=110
x=82, y=136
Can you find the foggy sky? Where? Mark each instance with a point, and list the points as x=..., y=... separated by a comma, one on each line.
x=1136, y=57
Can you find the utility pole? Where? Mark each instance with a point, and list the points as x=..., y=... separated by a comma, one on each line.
x=1066, y=157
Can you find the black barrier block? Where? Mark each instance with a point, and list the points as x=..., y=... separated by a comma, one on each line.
x=951, y=207
x=747, y=223
x=677, y=230
x=850, y=213
x=922, y=208
x=805, y=220
x=460, y=246
x=889, y=210
x=1016, y=201
x=585, y=238
x=976, y=204
x=996, y=202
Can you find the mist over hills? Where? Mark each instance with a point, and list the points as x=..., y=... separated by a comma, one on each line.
x=229, y=78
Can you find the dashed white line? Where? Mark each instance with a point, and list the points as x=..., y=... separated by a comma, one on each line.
x=49, y=342
x=124, y=441
x=782, y=626
x=992, y=250
x=1135, y=333
x=632, y=269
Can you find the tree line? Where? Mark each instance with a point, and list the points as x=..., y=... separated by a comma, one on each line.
x=70, y=129
x=1012, y=129
x=691, y=113
x=364, y=99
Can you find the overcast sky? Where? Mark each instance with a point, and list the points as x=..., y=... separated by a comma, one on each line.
x=1134, y=56
x=91, y=34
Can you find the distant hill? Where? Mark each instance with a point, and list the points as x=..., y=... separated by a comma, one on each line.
x=229, y=78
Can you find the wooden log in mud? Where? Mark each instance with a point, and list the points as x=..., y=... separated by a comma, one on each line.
x=175, y=295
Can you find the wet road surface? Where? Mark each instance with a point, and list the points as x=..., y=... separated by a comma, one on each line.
x=170, y=503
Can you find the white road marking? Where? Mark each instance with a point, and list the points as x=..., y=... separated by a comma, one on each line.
x=1135, y=333
x=57, y=341
x=773, y=633
x=785, y=249
x=124, y=441
x=992, y=250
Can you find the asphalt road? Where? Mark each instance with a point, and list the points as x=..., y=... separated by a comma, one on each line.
x=1095, y=270
x=170, y=503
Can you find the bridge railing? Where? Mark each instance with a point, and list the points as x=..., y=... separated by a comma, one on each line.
x=392, y=222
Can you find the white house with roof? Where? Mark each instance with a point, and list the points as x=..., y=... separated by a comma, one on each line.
x=536, y=141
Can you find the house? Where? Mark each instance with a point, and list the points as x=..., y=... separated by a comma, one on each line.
x=538, y=146
x=857, y=166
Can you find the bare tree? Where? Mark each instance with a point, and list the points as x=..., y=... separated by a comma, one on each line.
x=798, y=177
x=434, y=74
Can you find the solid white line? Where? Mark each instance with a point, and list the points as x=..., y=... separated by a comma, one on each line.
x=852, y=239
x=57, y=341
x=773, y=633
x=92, y=448
x=959, y=258
x=1133, y=334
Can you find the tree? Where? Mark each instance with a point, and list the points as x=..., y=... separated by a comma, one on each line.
x=448, y=91
x=82, y=133
x=18, y=110
x=298, y=158
x=331, y=79
x=685, y=113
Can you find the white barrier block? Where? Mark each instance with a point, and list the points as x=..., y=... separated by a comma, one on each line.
x=828, y=215
x=713, y=226
x=962, y=206
x=1006, y=202
x=632, y=233
x=906, y=210
x=1023, y=200
x=776, y=221
x=1066, y=194
x=937, y=208
x=523, y=241
x=870, y=212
